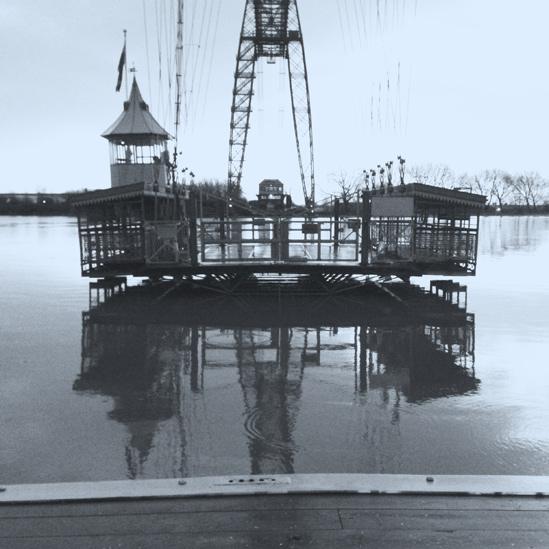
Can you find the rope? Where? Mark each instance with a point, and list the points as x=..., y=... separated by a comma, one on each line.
x=210, y=65
x=203, y=54
x=147, y=48
x=159, y=54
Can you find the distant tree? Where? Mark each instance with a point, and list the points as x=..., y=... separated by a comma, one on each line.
x=439, y=175
x=77, y=191
x=347, y=187
x=500, y=188
x=464, y=182
x=217, y=188
x=529, y=188
x=495, y=185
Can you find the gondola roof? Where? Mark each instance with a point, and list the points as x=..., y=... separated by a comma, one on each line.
x=136, y=122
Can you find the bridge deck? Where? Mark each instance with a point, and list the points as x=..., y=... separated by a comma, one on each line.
x=114, y=269
x=127, y=231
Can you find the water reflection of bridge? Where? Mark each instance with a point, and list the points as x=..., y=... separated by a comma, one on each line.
x=179, y=369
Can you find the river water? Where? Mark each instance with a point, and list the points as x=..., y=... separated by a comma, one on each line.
x=206, y=386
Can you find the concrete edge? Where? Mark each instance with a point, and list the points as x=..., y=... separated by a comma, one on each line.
x=454, y=485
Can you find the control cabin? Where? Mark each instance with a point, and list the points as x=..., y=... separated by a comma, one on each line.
x=138, y=146
x=271, y=196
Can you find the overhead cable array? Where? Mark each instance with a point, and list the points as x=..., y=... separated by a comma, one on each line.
x=194, y=24
x=373, y=26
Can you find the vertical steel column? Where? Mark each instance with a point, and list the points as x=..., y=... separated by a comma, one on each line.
x=366, y=216
x=272, y=29
x=336, y=222
x=301, y=103
x=193, y=229
x=242, y=96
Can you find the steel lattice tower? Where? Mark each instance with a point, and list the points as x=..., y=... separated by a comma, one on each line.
x=272, y=29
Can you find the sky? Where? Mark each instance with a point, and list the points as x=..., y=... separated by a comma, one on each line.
x=456, y=82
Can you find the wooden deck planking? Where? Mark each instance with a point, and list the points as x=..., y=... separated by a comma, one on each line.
x=281, y=521
x=341, y=539
x=448, y=520
x=250, y=520
x=274, y=502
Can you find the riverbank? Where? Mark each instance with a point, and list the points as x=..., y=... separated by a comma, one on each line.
x=61, y=204
x=37, y=204
x=517, y=210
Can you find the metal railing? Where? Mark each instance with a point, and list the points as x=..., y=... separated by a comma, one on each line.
x=297, y=240
x=167, y=243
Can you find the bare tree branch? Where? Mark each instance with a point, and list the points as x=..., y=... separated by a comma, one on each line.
x=347, y=186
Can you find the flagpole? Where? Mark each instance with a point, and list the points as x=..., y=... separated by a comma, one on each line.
x=126, y=65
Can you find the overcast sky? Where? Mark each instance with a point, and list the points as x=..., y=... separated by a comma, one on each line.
x=460, y=82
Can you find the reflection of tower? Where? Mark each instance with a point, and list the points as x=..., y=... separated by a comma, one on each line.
x=139, y=367
x=271, y=379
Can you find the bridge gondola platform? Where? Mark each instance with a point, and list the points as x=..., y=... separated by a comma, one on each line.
x=139, y=230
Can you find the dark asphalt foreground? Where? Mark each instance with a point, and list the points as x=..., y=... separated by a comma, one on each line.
x=287, y=521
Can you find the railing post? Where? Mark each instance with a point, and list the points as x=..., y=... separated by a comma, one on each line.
x=275, y=242
x=366, y=217
x=239, y=225
x=284, y=240
x=223, y=236
x=193, y=232
x=336, y=222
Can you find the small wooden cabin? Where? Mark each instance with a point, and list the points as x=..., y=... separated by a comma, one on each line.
x=271, y=196
x=139, y=220
x=138, y=146
x=425, y=227
x=129, y=227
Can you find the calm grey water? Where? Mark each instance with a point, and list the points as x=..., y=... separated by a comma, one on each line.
x=133, y=391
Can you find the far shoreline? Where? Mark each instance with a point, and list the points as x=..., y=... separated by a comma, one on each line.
x=512, y=211
x=60, y=204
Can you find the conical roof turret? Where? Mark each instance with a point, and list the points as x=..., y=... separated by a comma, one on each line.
x=136, y=124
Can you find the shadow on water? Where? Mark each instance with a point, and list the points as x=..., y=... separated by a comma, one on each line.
x=157, y=359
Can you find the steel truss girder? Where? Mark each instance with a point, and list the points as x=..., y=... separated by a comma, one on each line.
x=272, y=29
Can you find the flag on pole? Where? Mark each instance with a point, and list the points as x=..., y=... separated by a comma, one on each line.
x=121, y=65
